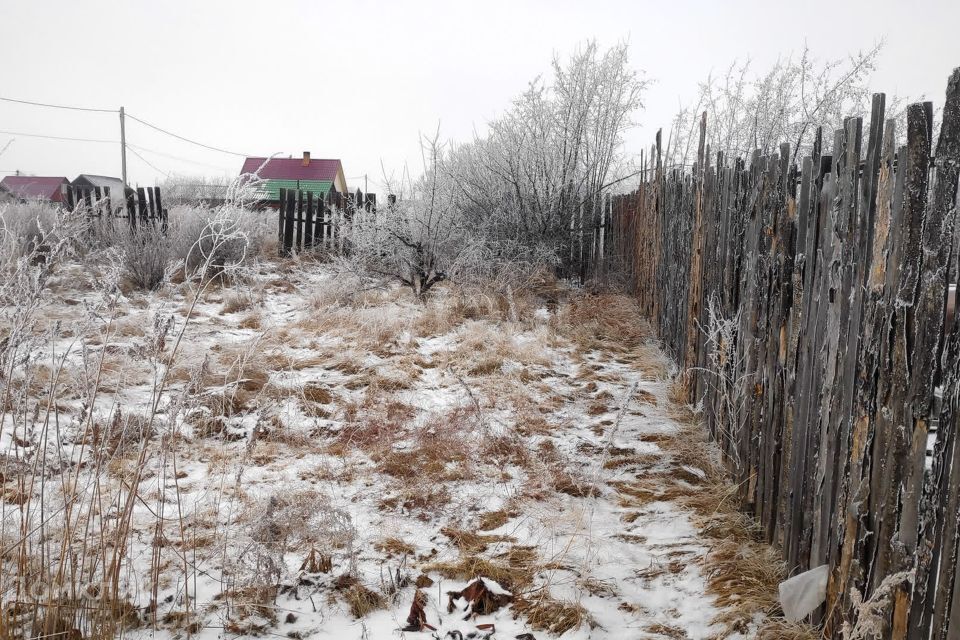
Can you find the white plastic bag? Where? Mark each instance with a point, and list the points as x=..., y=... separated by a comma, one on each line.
x=804, y=592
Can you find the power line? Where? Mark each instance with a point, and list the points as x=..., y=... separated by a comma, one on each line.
x=148, y=163
x=172, y=157
x=38, y=135
x=58, y=106
x=170, y=133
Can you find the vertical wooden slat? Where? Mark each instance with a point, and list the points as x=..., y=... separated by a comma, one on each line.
x=281, y=219
x=300, y=219
x=142, y=204
x=308, y=222
x=289, y=221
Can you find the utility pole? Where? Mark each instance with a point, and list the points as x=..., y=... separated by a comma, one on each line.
x=123, y=149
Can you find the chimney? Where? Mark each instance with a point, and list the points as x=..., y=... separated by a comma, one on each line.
x=306, y=158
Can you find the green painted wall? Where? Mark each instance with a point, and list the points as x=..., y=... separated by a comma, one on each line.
x=272, y=187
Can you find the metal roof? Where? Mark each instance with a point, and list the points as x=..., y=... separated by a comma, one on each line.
x=29, y=187
x=291, y=169
x=99, y=181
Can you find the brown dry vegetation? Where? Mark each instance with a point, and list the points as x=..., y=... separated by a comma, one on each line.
x=743, y=572
x=549, y=614
x=362, y=420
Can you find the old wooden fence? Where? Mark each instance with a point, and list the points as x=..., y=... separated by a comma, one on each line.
x=308, y=222
x=808, y=306
x=142, y=205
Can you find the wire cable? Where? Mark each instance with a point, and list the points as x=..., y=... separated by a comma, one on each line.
x=179, y=137
x=171, y=157
x=38, y=135
x=147, y=162
x=58, y=106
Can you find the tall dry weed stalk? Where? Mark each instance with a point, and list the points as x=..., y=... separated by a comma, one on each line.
x=724, y=374
x=78, y=484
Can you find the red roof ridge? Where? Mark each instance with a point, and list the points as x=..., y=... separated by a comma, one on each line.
x=321, y=169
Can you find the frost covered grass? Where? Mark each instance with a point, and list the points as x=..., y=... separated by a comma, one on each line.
x=285, y=451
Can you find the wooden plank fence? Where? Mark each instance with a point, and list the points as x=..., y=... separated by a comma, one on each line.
x=307, y=222
x=808, y=307
x=143, y=205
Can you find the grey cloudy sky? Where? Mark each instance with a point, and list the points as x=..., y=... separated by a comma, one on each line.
x=360, y=80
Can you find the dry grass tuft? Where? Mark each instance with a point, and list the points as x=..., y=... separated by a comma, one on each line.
x=237, y=301
x=554, y=616
x=363, y=600
x=781, y=629
x=394, y=547
x=441, y=452
x=470, y=542
x=507, y=449
x=679, y=393
x=417, y=497
x=569, y=483
x=743, y=576
x=495, y=519
x=653, y=363
x=252, y=321
x=607, y=322
x=513, y=577
x=667, y=631
x=317, y=393
x=487, y=366
x=632, y=460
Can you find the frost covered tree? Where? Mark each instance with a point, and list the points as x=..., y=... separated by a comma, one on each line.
x=507, y=200
x=417, y=240
x=555, y=152
x=786, y=103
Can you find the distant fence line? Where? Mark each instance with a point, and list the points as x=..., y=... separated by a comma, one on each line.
x=142, y=205
x=809, y=308
x=307, y=221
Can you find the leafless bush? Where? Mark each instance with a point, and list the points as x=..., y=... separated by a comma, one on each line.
x=194, y=239
x=283, y=523
x=548, y=162
x=147, y=255
x=502, y=206
x=24, y=228
x=418, y=240
x=721, y=340
x=195, y=190
x=786, y=103
x=220, y=238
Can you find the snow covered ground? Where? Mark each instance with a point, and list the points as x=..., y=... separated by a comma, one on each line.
x=316, y=458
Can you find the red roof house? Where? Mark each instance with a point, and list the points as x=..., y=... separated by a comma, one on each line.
x=305, y=173
x=35, y=187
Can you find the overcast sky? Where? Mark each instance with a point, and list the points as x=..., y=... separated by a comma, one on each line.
x=360, y=80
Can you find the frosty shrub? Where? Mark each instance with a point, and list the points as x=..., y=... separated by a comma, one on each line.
x=750, y=109
x=147, y=255
x=504, y=204
x=195, y=191
x=553, y=156
x=25, y=227
x=279, y=524
x=429, y=235
x=419, y=239
x=215, y=239
x=198, y=227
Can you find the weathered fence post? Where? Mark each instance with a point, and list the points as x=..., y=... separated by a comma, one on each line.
x=821, y=379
